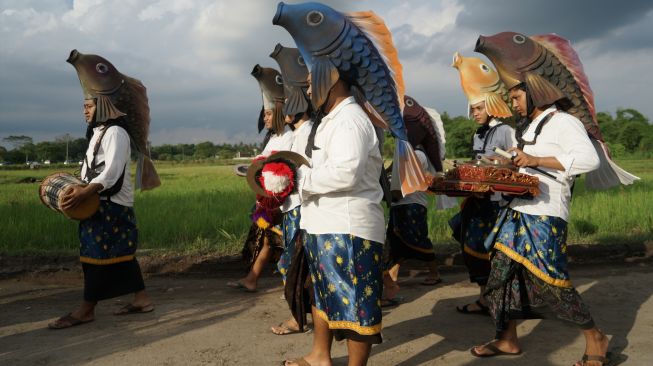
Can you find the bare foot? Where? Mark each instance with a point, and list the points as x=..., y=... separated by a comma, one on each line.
x=241, y=285
x=391, y=291
x=497, y=347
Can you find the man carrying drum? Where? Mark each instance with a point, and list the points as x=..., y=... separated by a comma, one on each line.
x=117, y=114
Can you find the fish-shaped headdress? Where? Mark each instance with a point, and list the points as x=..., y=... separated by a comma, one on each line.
x=271, y=84
x=481, y=83
x=423, y=129
x=357, y=48
x=553, y=73
x=118, y=96
x=295, y=79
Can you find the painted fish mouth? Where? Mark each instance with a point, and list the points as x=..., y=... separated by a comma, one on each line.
x=277, y=16
x=457, y=60
x=277, y=50
x=257, y=70
x=74, y=55
x=480, y=43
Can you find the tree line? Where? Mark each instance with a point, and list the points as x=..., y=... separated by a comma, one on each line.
x=627, y=132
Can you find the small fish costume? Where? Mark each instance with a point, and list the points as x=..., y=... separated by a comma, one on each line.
x=109, y=238
x=358, y=48
x=553, y=73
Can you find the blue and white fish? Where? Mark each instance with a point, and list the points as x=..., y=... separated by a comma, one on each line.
x=358, y=48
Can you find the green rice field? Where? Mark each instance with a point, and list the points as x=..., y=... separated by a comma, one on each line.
x=204, y=209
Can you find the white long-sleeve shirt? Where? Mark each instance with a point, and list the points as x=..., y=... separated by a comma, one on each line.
x=115, y=151
x=300, y=140
x=564, y=138
x=281, y=142
x=341, y=193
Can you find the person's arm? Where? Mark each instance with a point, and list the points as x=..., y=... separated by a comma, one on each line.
x=348, y=149
x=579, y=155
x=115, y=145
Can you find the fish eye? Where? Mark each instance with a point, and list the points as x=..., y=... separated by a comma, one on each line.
x=300, y=60
x=314, y=18
x=101, y=68
x=485, y=68
x=278, y=79
x=409, y=102
x=518, y=38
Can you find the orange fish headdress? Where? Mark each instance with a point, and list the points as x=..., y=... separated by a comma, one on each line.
x=481, y=83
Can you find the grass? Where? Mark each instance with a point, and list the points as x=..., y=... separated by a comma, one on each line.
x=204, y=209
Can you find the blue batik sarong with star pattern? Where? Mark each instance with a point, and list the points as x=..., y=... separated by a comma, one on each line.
x=347, y=277
x=290, y=233
x=109, y=236
x=537, y=242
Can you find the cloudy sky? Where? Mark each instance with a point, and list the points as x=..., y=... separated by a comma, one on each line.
x=195, y=56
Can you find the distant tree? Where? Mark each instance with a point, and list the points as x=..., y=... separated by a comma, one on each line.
x=22, y=143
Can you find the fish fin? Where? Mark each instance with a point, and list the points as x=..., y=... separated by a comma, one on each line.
x=375, y=29
x=146, y=176
x=496, y=107
x=411, y=172
x=324, y=76
x=261, y=122
x=374, y=116
x=562, y=49
x=139, y=121
x=106, y=110
x=609, y=174
x=542, y=91
x=438, y=126
x=295, y=101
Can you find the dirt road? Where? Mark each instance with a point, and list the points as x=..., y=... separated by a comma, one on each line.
x=198, y=321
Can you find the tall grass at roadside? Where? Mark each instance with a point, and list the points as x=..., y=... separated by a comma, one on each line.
x=204, y=209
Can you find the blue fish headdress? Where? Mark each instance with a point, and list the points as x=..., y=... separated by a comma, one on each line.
x=358, y=48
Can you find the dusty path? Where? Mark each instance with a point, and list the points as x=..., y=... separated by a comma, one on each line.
x=198, y=321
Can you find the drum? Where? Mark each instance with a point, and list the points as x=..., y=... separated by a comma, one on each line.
x=478, y=177
x=53, y=189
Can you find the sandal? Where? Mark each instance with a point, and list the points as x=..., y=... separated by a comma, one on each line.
x=298, y=361
x=484, y=310
x=604, y=360
x=495, y=352
x=431, y=281
x=285, y=329
x=237, y=285
x=67, y=321
x=133, y=309
x=389, y=303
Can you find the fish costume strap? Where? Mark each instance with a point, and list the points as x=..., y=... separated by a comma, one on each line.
x=119, y=96
x=357, y=48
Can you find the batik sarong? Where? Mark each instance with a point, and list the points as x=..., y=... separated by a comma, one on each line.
x=290, y=237
x=109, y=236
x=529, y=278
x=408, y=234
x=108, y=242
x=470, y=227
x=347, y=282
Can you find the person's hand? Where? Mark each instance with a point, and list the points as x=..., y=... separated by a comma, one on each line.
x=521, y=159
x=76, y=195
